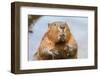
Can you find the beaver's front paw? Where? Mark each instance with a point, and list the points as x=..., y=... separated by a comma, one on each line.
x=68, y=49
x=72, y=50
x=51, y=53
x=54, y=52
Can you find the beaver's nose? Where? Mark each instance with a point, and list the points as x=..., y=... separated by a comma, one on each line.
x=62, y=26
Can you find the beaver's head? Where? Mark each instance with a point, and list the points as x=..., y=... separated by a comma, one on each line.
x=58, y=31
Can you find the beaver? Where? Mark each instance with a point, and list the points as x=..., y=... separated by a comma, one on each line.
x=57, y=43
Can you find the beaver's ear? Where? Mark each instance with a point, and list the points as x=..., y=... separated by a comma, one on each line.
x=49, y=24
x=66, y=23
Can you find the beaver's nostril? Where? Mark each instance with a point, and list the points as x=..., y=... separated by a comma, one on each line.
x=62, y=26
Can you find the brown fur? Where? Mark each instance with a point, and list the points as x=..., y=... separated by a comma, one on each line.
x=51, y=47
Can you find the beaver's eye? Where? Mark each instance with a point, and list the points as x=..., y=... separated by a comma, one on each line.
x=54, y=24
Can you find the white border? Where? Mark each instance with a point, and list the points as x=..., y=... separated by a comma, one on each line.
x=25, y=64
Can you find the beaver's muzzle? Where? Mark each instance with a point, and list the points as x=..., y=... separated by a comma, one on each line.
x=62, y=38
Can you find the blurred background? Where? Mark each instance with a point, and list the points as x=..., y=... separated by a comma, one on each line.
x=37, y=26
